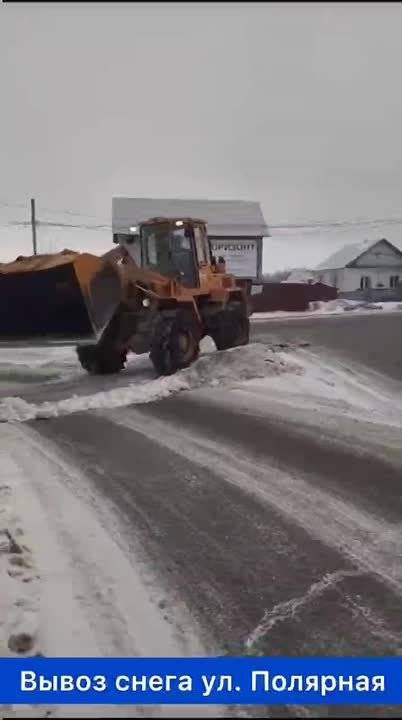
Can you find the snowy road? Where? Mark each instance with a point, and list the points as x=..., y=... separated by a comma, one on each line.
x=374, y=340
x=259, y=514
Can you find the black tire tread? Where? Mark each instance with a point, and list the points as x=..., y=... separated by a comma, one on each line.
x=164, y=352
x=100, y=361
x=231, y=326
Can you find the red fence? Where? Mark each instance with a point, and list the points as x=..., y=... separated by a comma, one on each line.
x=290, y=297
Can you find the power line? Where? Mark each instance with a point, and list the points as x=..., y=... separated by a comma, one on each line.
x=48, y=223
x=13, y=205
x=67, y=212
x=318, y=225
x=393, y=220
x=312, y=225
x=52, y=211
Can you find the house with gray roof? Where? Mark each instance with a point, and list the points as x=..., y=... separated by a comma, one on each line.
x=236, y=228
x=368, y=270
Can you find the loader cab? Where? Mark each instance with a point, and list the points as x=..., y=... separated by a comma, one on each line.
x=175, y=248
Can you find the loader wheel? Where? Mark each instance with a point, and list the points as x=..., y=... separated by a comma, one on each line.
x=176, y=342
x=99, y=361
x=231, y=327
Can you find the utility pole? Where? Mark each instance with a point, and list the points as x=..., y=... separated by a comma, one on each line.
x=33, y=225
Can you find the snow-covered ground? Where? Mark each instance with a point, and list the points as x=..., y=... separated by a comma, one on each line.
x=51, y=568
x=328, y=386
x=19, y=580
x=254, y=360
x=294, y=374
x=27, y=365
x=332, y=307
x=71, y=582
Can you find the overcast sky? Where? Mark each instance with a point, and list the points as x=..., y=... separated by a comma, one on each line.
x=297, y=105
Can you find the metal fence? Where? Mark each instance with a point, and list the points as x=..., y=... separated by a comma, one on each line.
x=290, y=297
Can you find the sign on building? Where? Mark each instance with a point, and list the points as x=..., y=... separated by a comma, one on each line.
x=241, y=256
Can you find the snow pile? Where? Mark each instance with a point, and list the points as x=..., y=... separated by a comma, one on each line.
x=228, y=367
x=238, y=364
x=330, y=386
x=343, y=305
x=36, y=364
x=330, y=307
x=333, y=306
x=25, y=365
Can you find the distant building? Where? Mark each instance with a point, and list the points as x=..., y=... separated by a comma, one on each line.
x=236, y=228
x=304, y=276
x=368, y=270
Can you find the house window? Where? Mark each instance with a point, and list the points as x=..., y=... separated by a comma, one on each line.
x=365, y=282
x=394, y=281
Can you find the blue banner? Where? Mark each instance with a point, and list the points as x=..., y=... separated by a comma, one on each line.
x=223, y=681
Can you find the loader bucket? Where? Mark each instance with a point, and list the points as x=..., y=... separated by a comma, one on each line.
x=66, y=297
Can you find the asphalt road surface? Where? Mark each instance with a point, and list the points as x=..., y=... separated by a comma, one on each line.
x=374, y=340
x=280, y=538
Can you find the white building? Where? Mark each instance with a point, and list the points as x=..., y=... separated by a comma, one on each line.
x=369, y=268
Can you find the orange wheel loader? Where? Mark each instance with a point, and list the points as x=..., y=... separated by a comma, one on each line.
x=159, y=292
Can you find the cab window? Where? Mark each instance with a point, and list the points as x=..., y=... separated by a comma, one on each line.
x=156, y=248
x=200, y=245
x=180, y=240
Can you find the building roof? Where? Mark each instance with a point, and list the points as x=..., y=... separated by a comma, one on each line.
x=349, y=253
x=233, y=218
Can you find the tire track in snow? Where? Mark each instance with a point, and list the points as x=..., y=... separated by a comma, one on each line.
x=370, y=542
x=197, y=521
x=93, y=599
x=288, y=609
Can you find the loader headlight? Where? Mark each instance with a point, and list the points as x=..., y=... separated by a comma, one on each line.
x=146, y=302
x=133, y=229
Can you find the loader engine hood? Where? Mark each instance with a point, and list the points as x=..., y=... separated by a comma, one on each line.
x=64, y=297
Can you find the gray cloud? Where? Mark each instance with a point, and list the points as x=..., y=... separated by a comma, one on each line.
x=295, y=105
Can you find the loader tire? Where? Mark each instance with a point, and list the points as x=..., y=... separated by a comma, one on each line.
x=99, y=361
x=231, y=327
x=175, y=343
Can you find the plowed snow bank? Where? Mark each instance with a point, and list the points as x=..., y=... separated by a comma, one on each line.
x=24, y=365
x=330, y=387
x=244, y=363
x=19, y=579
